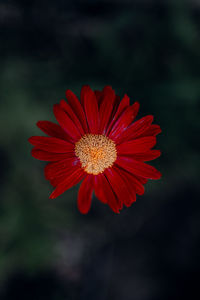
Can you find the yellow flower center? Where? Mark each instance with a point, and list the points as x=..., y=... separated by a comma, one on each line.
x=96, y=153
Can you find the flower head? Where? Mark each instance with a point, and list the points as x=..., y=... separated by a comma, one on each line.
x=96, y=140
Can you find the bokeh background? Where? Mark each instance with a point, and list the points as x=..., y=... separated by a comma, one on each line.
x=150, y=50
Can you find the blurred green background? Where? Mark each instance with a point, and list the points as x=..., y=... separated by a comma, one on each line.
x=149, y=50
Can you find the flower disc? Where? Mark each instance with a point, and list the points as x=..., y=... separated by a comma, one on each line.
x=96, y=153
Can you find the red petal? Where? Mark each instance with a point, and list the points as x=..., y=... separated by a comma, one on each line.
x=54, y=169
x=115, y=108
x=152, y=130
x=98, y=188
x=71, y=114
x=131, y=187
x=119, y=186
x=136, y=146
x=47, y=156
x=124, y=121
x=138, y=168
x=52, y=129
x=104, y=192
x=124, y=103
x=51, y=144
x=116, y=104
x=147, y=156
x=122, y=106
x=106, y=108
x=77, y=108
x=134, y=181
x=90, y=105
x=85, y=194
x=141, y=179
x=62, y=175
x=136, y=129
x=99, y=96
x=66, y=123
x=59, y=178
x=68, y=182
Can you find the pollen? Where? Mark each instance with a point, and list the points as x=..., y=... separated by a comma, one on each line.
x=96, y=153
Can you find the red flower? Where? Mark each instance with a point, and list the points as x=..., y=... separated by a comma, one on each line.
x=96, y=141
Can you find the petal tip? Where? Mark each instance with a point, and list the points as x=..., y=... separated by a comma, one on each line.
x=83, y=212
x=52, y=196
x=31, y=140
x=158, y=175
x=38, y=123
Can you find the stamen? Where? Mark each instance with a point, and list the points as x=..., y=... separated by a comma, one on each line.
x=96, y=153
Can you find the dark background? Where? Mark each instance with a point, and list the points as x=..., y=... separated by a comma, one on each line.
x=149, y=50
